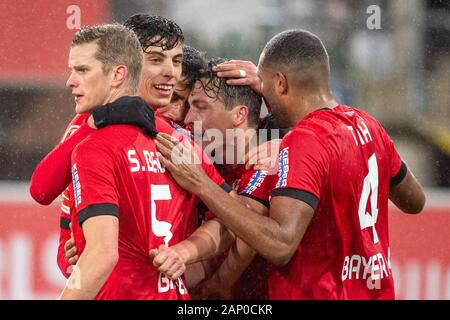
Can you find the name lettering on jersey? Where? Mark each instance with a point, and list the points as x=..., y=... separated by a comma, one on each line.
x=255, y=181
x=150, y=162
x=362, y=132
x=371, y=270
x=76, y=185
x=165, y=284
x=283, y=168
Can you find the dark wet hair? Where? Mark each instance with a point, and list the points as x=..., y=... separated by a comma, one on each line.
x=155, y=31
x=296, y=50
x=217, y=88
x=194, y=66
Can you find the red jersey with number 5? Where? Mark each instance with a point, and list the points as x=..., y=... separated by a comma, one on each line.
x=116, y=171
x=341, y=162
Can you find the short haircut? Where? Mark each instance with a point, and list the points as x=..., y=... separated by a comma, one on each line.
x=297, y=50
x=117, y=45
x=194, y=66
x=216, y=87
x=155, y=31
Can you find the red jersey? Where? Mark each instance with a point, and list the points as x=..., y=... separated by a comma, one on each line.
x=116, y=171
x=79, y=121
x=257, y=185
x=341, y=162
x=253, y=283
x=52, y=174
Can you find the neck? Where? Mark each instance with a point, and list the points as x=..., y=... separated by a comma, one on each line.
x=303, y=103
x=117, y=93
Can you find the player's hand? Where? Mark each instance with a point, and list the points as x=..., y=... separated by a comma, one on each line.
x=71, y=249
x=263, y=156
x=131, y=111
x=168, y=261
x=181, y=159
x=231, y=69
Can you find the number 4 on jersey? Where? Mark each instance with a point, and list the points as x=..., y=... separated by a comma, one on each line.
x=370, y=184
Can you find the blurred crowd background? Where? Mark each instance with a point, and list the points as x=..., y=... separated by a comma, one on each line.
x=399, y=71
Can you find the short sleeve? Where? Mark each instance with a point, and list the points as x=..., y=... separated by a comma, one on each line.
x=303, y=166
x=95, y=192
x=397, y=168
x=258, y=185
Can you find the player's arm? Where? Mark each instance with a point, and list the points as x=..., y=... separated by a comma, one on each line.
x=97, y=260
x=67, y=254
x=407, y=194
x=212, y=238
x=275, y=237
x=404, y=189
x=66, y=246
x=238, y=259
x=52, y=174
x=207, y=241
x=62, y=261
x=96, y=202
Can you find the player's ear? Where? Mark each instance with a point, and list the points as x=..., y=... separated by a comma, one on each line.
x=281, y=84
x=119, y=75
x=240, y=115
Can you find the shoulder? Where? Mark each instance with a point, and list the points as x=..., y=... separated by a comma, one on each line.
x=304, y=133
x=109, y=139
x=162, y=125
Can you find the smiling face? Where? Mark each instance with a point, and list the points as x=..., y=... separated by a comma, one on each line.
x=161, y=72
x=178, y=107
x=90, y=86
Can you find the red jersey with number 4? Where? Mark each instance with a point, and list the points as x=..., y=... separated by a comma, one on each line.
x=116, y=171
x=341, y=162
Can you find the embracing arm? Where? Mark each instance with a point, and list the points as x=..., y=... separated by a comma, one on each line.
x=97, y=260
x=408, y=195
x=239, y=257
x=52, y=175
x=275, y=237
x=209, y=240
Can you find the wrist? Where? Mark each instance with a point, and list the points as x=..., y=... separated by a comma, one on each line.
x=204, y=187
x=183, y=252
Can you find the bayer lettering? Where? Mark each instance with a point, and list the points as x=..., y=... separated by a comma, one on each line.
x=372, y=270
x=150, y=163
x=165, y=284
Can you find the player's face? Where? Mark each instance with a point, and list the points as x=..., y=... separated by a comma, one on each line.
x=90, y=86
x=161, y=71
x=178, y=107
x=209, y=110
